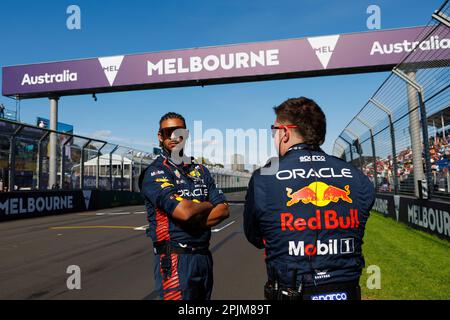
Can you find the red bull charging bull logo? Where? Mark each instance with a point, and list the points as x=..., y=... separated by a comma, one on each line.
x=319, y=194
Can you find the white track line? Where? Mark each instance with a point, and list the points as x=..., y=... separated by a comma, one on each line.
x=225, y=226
x=141, y=228
x=112, y=213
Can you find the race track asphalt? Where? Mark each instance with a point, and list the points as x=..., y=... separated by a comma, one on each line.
x=115, y=257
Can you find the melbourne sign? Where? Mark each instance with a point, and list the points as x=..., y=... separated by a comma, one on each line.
x=20, y=204
x=26, y=204
x=282, y=59
x=429, y=216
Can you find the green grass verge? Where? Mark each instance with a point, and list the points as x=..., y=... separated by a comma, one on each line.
x=413, y=264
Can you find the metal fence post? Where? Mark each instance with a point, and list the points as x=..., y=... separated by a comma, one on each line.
x=386, y=110
x=39, y=160
x=413, y=85
x=53, y=171
x=110, y=170
x=374, y=157
x=140, y=166
x=351, y=151
x=423, y=116
x=130, y=172
x=111, y=167
x=12, y=158
x=97, y=172
x=83, y=158
x=357, y=149
x=121, y=174
x=63, y=161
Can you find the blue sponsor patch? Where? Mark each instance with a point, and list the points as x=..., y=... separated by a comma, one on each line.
x=331, y=296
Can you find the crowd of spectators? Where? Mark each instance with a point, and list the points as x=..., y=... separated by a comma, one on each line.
x=439, y=160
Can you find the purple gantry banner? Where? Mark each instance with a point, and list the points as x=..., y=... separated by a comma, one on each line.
x=324, y=55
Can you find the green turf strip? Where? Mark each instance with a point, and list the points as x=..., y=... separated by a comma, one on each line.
x=413, y=264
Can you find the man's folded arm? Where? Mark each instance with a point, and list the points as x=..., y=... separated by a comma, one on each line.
x=217, y=198
x=218, y=213
x=187, y=210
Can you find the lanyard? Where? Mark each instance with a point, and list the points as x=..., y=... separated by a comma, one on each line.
x=181, y=170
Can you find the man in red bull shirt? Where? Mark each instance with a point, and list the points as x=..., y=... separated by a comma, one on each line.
x=182, y=204
x=308, y=210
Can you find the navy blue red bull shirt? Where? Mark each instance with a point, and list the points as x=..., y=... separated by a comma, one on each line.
x=310, y=217
x=163, y=185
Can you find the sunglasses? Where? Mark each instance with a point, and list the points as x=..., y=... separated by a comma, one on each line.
x=284, y=127
x=167, y=132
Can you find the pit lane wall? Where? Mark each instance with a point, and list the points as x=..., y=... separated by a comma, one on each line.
x=431, y=216
x=18, y=205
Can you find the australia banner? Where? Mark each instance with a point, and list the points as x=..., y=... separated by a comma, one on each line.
x=281, y=59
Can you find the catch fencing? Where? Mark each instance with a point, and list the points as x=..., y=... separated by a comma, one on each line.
x=83, y=163
x=401, y=137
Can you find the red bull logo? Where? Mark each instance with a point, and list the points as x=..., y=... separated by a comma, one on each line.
x=319, y=194
x=305, y=195
x=335, y=194
x=328, y=219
